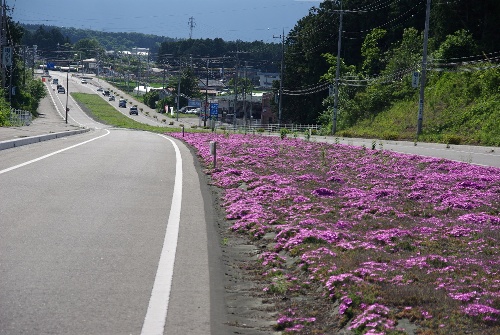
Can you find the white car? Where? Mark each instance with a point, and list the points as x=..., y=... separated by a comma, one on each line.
x=84, y=81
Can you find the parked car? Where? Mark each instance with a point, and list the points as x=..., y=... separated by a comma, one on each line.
x=122, y=103
x=133, y=110
x=193, y=111
x=61, y=90
x=111, y=98
x=186, y=109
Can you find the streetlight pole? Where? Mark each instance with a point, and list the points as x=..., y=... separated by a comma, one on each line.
x=67, y=90
x=206, y=99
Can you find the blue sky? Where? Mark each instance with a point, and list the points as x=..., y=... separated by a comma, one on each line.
x=246, y=20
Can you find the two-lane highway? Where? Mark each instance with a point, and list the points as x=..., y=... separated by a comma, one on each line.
x=105, y=233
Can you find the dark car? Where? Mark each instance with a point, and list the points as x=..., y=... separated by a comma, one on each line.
x=122, y=103
x=133, y=110
x=61, y=90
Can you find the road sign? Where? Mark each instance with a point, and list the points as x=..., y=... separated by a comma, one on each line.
x=415, y=79
x=214, y=109
x=7, y=56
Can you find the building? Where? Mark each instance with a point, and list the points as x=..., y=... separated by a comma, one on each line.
x=266, y=79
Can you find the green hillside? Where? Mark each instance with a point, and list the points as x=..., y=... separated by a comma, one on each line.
x=460, y=108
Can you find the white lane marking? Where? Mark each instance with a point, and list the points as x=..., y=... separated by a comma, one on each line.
x=53, y=101
x=85, y=114
x=51, y=154
x=156, y=316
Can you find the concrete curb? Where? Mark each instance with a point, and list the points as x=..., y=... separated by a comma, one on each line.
x=40, y=138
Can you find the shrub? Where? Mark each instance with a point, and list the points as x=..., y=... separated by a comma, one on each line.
x=389, y=136
x=283, y=133
x=452, y=139
x=345, y=133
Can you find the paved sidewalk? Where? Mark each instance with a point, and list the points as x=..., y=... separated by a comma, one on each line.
x=50, y=124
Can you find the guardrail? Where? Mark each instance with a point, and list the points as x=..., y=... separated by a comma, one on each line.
x=19, y=117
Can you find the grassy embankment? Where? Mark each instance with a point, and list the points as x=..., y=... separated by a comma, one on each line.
x=460, y=108
x=103, y=112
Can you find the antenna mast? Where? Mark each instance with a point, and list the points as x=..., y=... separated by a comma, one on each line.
x=191, y=24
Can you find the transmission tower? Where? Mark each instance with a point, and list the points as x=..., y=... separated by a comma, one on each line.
x=191, y=24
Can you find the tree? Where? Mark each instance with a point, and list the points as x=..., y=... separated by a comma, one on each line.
x=89, y=48
x=4, y=112
x=151, y=97
x=48, y=40
x=372, y=52
x=458, y=45
x=244, y=84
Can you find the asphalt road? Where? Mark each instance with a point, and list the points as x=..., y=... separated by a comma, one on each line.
x=106, y=232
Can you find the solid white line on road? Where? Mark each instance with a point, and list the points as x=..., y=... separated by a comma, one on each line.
x=51, y=154
x=156, y=316
x=53, y=101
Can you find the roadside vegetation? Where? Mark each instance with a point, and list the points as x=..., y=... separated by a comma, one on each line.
x=460, y=108
x=378, y=60
x=26, y=91
x=360, y=241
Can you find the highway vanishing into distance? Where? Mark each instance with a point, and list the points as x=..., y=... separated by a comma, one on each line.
x=92, y=228
x=112, y=231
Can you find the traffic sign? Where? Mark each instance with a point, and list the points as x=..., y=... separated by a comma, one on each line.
x=7, y=56
x=214, y=109
x=415, y=79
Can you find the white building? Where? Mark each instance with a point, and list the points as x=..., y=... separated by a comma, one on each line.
x=266, y=79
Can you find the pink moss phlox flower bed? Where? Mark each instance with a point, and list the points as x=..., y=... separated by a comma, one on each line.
x=385, y=237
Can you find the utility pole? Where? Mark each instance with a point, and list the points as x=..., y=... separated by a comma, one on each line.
x=280, y=101
x=235, y=90
x=35, y=47
x=244, y=93
x=25, y=47
x=337, y=75
x=147, y=74
x=424, y=70
x=3, y=39
x=163, y=61
x=179, y=89
x=206, y=99
x=337, y=70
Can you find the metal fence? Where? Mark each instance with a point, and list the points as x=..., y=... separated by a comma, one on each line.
x=19, y=117
x=268, y=128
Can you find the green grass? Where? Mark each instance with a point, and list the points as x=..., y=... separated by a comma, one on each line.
x=103, y=112
x=460, y=108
